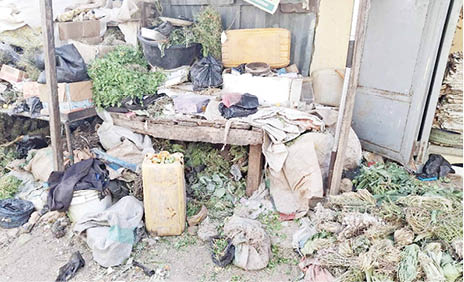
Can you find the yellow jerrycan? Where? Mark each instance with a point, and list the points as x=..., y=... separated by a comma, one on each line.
x=164, y=195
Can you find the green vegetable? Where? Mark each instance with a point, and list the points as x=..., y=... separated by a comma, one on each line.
x=207, y=30
x=9, y=186
x=407, y=270
x=122, y=73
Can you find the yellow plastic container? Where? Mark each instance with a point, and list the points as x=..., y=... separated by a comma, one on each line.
x=164, y=196
x=267, y=45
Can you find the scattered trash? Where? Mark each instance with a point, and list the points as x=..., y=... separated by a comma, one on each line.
x=70, y=269
x=252, y=243
x=28, y=143
x=148, y=272
x=206, y=73
x=59, y=227
x=110, y=234
x=70, y=66
x=247, y=105
x=14, y=212
x=435, y=167
x=31, y=105
x=222, y=251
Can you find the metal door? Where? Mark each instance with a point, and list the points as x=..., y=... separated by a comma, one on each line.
x=400, y=50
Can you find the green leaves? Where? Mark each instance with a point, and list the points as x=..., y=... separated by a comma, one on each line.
x=122, y=73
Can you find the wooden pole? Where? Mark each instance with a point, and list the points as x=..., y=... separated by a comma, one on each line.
x=46, y=12
x=345, y=114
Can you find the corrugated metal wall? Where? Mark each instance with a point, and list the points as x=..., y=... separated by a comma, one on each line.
x=237, y=14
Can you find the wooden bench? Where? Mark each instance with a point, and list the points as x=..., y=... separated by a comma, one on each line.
x=197, y=130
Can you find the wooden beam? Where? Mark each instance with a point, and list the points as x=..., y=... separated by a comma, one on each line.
x=46, y=12
x=345, y=114
x=190, y=133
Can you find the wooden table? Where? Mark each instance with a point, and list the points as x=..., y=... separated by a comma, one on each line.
x=197, y=130
x=66, y=119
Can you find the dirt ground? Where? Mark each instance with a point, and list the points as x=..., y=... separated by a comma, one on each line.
x=39, y=255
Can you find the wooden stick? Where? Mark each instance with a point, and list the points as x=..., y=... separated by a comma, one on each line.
x=345, y=114
x=50, y=74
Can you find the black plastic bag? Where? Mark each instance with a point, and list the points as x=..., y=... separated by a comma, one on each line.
x=31, y=105
x=69, y=270
x=8, y=55
x=14, y=212
x=435, y=167
x=227, y=257
x=206, y=73
x=28, y=143
x=70, y=66
x=247, y=105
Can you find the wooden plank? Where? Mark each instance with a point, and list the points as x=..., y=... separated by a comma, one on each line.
x=254, y=169
x=50, y=74
x=346, y=114
x=193, y=134
x=184, y=121
x=79, y=114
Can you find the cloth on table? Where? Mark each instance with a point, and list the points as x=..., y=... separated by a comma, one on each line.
x=85, y=175
x=245, y=106
x=252, y=243
x=111, y=233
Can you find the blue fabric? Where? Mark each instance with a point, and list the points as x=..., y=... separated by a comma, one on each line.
x=121, y=235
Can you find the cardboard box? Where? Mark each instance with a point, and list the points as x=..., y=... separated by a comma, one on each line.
x=79, y=30
x=11, y=74
x=69, y=92
x=31, y=89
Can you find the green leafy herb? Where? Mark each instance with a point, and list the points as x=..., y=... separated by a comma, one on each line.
x=122, y=73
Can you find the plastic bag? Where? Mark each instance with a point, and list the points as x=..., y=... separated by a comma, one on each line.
x=70, y=66
x=7, y=54
x=31, y=105
x=206, y=73
x=226, y=257
x=14, y=212
x=189, y=104
x=247, y=105
x=435, y=167
x=252, y=243
x=28, y=143
x=69, y=270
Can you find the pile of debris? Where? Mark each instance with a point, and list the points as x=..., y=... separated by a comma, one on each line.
x=448, y=116
x=393, y=228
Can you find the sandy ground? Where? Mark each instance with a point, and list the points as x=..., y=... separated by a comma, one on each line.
x=38, y=256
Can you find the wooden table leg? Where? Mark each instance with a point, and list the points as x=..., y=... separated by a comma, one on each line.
x=68, y=141
x=254, y=169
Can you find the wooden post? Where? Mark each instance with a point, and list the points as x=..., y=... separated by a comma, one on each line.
x=254, y=169
x=345, y=114
x=46, y=12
